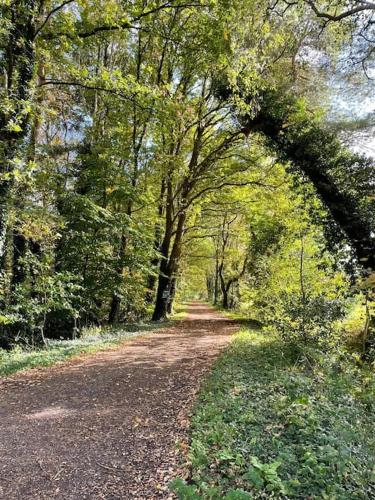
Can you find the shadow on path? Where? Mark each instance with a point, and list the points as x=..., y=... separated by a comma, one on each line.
x=105, y=426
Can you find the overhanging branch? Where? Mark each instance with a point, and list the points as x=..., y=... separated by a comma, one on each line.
x=363, y=6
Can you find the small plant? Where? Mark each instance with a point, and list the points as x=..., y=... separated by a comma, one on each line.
x=265, y=476
x=265, y=427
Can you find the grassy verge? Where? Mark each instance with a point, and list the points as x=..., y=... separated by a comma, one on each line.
x=179, y=311
x=268, y=426
x=93, y=340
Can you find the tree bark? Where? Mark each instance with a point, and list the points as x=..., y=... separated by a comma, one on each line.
x=169, y=266
x=18, y=267
x=172, y=294
x=155, y=262
x=19, y=62
x=162, y=293
x=168, y=272
x=225, y=301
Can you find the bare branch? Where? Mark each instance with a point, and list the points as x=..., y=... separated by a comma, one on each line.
x=94, y=87
x=363, y=6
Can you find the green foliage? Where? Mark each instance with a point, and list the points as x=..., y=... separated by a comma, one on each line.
x=310, y=319
x=267, y=426
x=127, y=161
x=46, y=294
x=55, y=351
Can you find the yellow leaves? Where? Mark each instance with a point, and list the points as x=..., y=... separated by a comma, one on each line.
x=139, y=422
x=37, y=227
x=14, y=127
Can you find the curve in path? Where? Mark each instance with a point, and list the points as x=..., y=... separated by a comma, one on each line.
x=107, y=426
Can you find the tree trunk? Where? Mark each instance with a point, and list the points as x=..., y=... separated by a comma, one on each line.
x=225, y=300
x=224, y=288
x=314, y=163
x=216, y=286
x=172, y=294
x=155, y=262
x=114, y=309
x=19, y=60
x=162, y=296
x=18, y=267
x=168, y=272
x=162, y=293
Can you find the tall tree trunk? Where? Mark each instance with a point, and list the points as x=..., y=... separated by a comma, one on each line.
x=19, y=60
x=172, y=294
x=18, y=267
x=162, y=294
x=160, y=309
x=225, y=300
x=168, y=270
x=216, y=285
x=155, y=262
x=169, y=267
x=20, y=242
x=224, y=288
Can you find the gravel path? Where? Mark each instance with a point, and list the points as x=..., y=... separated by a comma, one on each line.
x=111, y=425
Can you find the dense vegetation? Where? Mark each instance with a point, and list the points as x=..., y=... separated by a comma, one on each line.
x=134, y=135
x=152, y=151
x=267, y=427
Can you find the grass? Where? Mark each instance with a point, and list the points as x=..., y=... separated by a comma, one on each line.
x=179, y=311
x=268, y=425
x=92, y=340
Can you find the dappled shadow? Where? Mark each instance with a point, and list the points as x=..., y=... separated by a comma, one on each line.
x=253, y=324
x=115, y=412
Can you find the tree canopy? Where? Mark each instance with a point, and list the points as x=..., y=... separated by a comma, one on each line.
x=152, y=149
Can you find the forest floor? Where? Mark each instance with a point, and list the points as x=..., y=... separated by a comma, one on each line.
x=111, y=425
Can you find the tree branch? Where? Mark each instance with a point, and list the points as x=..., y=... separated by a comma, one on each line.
x=363, y=6
x=93, y=87
x=50, y=14
x=128, y=24
x=225, y=184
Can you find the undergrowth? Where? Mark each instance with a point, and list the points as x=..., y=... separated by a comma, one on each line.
x=91, y=340
x=271, y=424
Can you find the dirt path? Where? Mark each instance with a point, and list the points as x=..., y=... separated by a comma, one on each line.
x=105, y=426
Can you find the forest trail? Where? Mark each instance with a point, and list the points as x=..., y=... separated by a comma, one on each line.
x=105, y=426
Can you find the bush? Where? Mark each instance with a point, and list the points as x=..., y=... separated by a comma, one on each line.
x=311, y=320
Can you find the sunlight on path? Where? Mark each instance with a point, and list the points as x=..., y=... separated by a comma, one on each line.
x=106, y=425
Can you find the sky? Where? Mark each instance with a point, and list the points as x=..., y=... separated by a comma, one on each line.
x=355, y=102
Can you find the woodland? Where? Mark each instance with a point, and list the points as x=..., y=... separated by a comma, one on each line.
x=153, y=148
x=158, y=151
